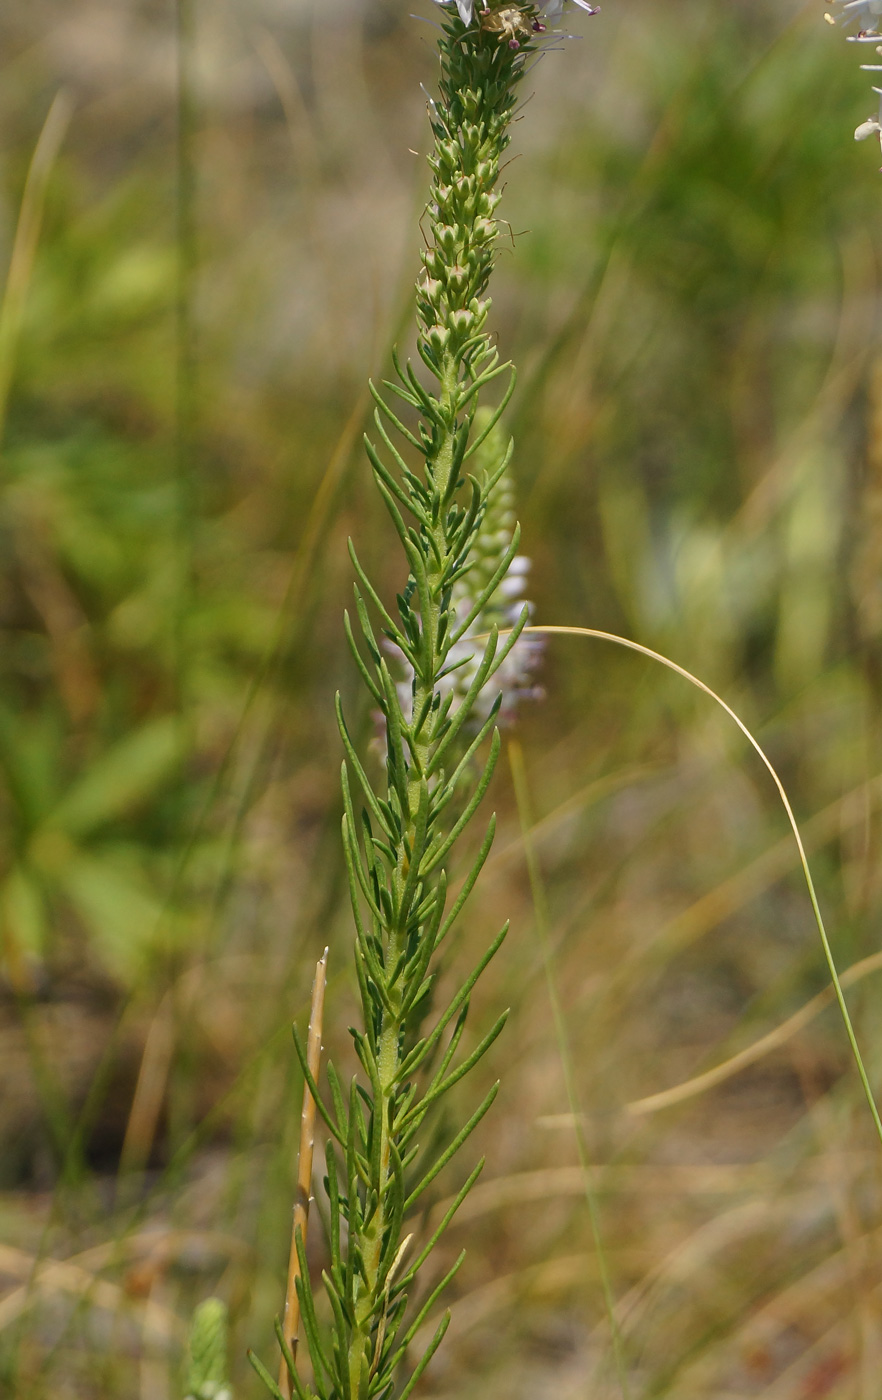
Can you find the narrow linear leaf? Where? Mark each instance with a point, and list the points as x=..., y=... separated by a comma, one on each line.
x=426, y=1357
x=441, y=1162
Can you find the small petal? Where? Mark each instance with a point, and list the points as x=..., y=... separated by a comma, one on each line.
x=868, y=128
x=554, y=9
x=466, y=10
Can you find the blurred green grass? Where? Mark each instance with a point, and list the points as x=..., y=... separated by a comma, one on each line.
x=691, y=294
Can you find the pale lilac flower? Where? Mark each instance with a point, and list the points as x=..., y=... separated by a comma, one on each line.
x=867, y=12
x=515, y=678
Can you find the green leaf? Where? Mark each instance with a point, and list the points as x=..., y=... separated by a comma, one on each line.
x=425, y=1047
x=427, y=1356
x=450, y=1152
x=438, y=852
x=309, y=1321
x=426, y=1309
x=290, y=1365
x=300, y=1050
x=468, y=884
x=30, y=756
x=116, y=907
x=207, y=1368
x=122, y=778
x=264, y=1375
x=384, y=408
x=23, y=914
x=407, y=1279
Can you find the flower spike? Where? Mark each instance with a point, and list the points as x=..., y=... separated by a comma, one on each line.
x=442, y=672
x=868, y=14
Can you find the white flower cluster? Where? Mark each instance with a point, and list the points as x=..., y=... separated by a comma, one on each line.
x=516, y=21
x=867, y=14
x=515, y=678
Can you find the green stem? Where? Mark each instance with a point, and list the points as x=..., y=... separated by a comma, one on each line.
x=403, y=888
x=389, y=1057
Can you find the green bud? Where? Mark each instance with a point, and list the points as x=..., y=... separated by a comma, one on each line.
x=484, y=231
x=462, y=324
x=437, y=339
x=458, y=280
x=432, y=291
x=471, y=101
x=446, y=239
x=449, y=155
x=207, y=1361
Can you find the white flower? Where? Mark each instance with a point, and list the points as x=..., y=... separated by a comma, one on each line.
x=466, y=9
x=861, y=9
x=556, y=8
x=873, y=125
x=866, y=12
x=515, y=677
x=552, y=11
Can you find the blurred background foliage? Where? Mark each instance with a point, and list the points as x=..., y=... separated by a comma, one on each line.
x=209, y=221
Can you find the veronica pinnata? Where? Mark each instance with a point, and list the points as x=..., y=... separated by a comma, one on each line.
x=440, y=466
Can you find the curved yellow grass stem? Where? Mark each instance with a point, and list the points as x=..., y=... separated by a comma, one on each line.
x=773, y=1040
x=594, y=633
x=27, y=237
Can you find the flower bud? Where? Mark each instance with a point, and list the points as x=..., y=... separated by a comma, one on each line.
x=446, y=240
x=462, y=324
x=438, y=339
x=484, y=231
x=458, y=280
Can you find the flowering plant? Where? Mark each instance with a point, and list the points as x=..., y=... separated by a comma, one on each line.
x=440, y=669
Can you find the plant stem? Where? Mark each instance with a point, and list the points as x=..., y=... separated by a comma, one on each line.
x=291, y=1315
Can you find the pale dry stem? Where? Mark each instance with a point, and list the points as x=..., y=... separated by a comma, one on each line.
x=291, y=1316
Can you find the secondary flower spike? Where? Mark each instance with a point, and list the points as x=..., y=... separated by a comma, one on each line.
x=868, y=15
x=515, y=681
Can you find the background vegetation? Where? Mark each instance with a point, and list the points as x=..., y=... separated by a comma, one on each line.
x=215, y=244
